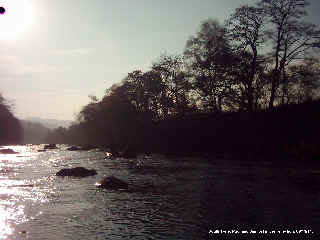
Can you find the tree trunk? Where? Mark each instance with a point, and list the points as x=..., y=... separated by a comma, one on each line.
x=273, y=93
x=250, y=97
x=251, y=79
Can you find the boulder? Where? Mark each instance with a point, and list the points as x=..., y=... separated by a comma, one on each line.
x=82, y=148
x=73, y=148
x=76, y=172
x=112, y=183
x=7, y=151
x=109, y=155
x=50, y=146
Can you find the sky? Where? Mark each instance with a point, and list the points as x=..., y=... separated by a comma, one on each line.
x=54, y=53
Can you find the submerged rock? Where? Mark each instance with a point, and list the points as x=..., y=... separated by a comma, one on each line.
x=88, y=147
x=50, y=146
x=76, y=172
x=73, y=148
x=82, y=148
x=112, y=183
x=7, y=151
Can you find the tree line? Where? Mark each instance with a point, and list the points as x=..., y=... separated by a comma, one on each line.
x=264, y=56
x=10, y=127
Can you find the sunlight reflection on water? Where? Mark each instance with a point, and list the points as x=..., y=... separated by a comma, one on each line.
x=5, y=216
x=168, y=199
x=16, y=191
x=11, y=211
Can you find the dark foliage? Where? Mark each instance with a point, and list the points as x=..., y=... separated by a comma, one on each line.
x=10, y=128
x=33, y=132
x=226, y=95
x=261, y=134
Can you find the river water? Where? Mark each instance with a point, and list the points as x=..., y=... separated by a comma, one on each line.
x=180, y=198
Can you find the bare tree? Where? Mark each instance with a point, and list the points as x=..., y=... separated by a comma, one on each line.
x=246, y=31
x=291, y=38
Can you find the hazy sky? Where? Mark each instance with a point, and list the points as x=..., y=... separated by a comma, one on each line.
x=66, y=50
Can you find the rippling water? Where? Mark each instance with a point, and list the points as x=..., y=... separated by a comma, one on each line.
x=167, y=198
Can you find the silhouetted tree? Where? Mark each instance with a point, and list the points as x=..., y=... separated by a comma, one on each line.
x=248, y=91
x=303, y=82
x=224, y=68
x=176, y=81
x=58, y=135
x=148, y=93
x=209, y=56
x=291, y=38
x=112, y=121
x=34, y=132
x=10, y=127
x=246, y=30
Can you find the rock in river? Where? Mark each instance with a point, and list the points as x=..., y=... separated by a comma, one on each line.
x=7, y=151
x=50, y=146
x=76, y=172
x=112, y=183
x=73, y=148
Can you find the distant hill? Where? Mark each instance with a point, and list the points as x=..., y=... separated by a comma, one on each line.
x=50, y=123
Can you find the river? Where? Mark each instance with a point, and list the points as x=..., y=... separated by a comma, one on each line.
x=168, y=198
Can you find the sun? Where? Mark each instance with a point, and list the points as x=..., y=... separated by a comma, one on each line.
x=16, y=18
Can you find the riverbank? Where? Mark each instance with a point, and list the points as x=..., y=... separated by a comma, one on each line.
x=281, y=135
x=284, y=134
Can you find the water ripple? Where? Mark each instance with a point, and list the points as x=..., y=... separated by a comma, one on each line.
x=167, y=199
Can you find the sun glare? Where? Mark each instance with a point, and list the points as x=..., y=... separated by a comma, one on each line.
x=16, y=19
